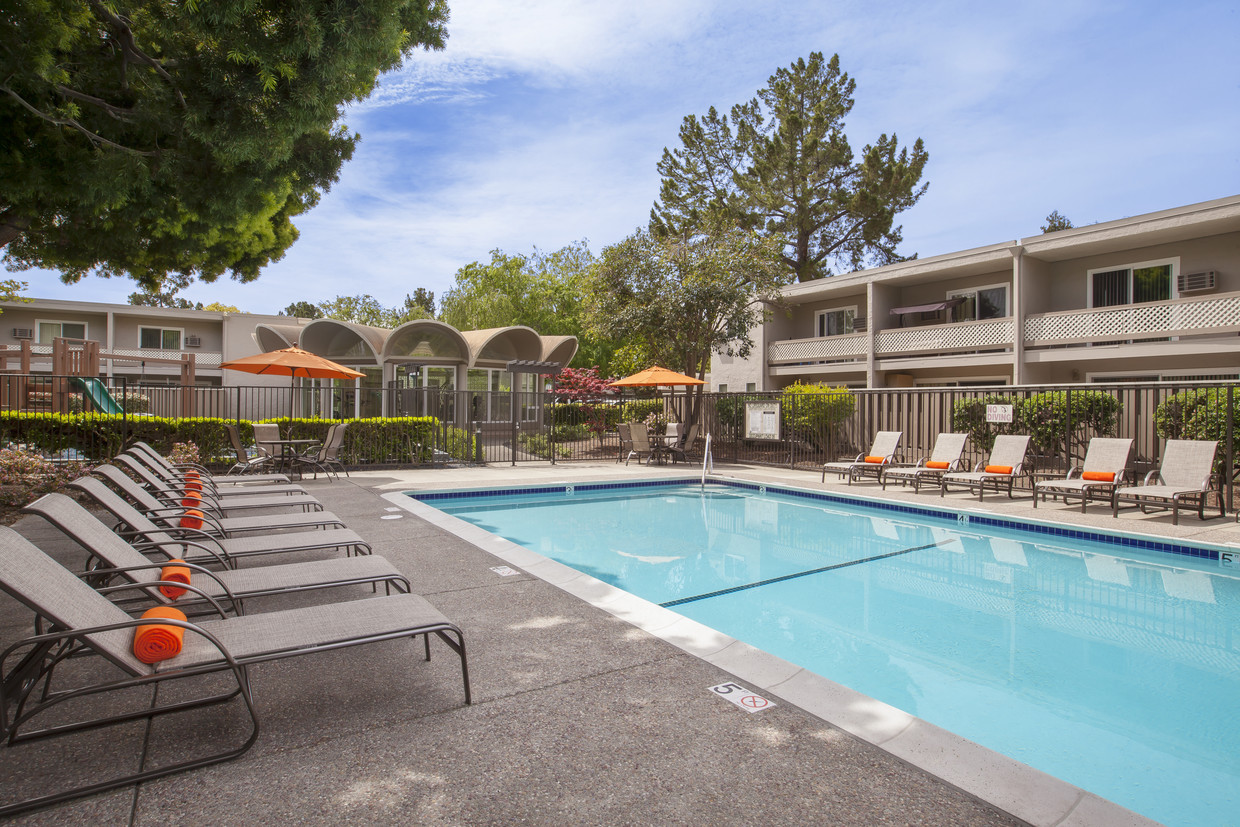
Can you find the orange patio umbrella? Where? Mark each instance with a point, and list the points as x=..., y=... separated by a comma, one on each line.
x=655, y=376
x=293, y=362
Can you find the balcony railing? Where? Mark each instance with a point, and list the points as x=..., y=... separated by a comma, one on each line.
x=992, y=333
x=1178, y=317
x=848, y=347
x=202, y=358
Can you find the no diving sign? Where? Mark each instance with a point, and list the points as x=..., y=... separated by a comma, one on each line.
x=742, y=697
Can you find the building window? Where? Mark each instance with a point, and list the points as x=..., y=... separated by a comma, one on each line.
x=723, y=388
x=1150, y=281
x=989, y=302
x=68, y=330
x=750, y=387
x=159, y=338
x=836, y=321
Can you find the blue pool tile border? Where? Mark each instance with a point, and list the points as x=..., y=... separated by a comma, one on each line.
x=974, y=519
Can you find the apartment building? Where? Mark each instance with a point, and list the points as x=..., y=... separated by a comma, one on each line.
x=1148, y=298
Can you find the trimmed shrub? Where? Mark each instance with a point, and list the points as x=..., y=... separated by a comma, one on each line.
x=538, y=445
x=813, y=413
x=1197, y=413
x=26, y=475
x=1045, y=417
x=969, y=416
x=637, y=410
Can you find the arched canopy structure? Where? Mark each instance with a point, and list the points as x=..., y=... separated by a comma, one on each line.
x=343, y=342
x=276, y=336
x=428, y=342
x=496, y=347
x=559, y=349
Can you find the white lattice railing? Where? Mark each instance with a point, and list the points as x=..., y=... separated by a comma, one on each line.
x=826, y=348
x=1178, y=317
x=945, y=337
x=202, y=359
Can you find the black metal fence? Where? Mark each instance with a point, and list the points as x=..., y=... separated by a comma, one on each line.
x=71, y=416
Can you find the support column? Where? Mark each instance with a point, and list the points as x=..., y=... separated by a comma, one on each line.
x=1018, y=315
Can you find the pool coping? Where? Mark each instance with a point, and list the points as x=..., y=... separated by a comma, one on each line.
x=1016, y=788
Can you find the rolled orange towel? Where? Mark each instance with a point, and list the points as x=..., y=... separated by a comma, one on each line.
x=193, y=499
x=877, y=460
x=158, y=641
x=192, y=485
x=930, y=463
x=176, y=571
x=998, y=469
x=192, y=519
x=1099, y=476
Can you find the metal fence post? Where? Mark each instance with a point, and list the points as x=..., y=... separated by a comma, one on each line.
x=1231, y=447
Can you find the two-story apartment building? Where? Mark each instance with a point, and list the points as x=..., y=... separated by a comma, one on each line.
x=1152, y=297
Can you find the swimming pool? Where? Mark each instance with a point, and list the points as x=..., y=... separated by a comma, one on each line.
x=1109, y=662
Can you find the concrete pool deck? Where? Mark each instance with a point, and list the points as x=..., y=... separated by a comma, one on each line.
x=581, y=714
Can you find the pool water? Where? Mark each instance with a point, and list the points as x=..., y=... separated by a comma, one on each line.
x=1112, y=667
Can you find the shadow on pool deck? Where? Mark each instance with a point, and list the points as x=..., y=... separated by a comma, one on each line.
x=578, y=718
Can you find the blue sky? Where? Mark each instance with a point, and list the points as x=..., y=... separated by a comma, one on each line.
x=542, y=122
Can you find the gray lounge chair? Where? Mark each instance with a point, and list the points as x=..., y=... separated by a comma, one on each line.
x=155, y=474
x=201, y=547
x=947, y=456
x=239, y=501
x=881, y=454
x=681, y=450
x=1183, y=477
x=178, y=471
x=1008, y=452
x=213, y=523
x=1105, y=461
x=117, y=559
x=79, y=621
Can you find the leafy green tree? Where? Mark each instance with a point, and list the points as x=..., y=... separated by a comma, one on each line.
x=366, y=309
x=686, y=297
x=302, y=310
x=782, y=165
x=544, y=291
x=151, y=137
x=164, y=294
x=220, y=307
x=424, y=299
x=11, y=291
x=1056, y=222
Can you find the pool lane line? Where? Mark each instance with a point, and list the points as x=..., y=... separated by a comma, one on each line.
x=794, y=576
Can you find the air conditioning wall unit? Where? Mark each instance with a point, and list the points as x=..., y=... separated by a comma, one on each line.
x=193, y=341
x=23, y=333
x=1196, y=282
x=859, y=324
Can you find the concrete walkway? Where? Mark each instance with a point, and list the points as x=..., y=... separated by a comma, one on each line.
x=579, y=717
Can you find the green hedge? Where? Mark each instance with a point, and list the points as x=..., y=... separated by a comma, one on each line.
x=1044, y=416
x=813, y=413
x=1198, y=413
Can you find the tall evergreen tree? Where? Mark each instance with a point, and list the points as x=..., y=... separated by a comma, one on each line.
x=782, y=165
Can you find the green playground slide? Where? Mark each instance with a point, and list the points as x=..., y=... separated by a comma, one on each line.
x=98, y=394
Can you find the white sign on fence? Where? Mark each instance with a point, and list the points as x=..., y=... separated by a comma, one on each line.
x=762, y=419
x=999, y=413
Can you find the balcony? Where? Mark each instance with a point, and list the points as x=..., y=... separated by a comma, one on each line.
x=850, y=347
x=1219, y=314
x=202, y=358
x=945, y=338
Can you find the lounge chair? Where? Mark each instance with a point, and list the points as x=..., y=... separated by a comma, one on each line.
x=177, y=483
x=681, y=450
x=112, y=558
x=881, y=454
x=1101, y=473
x=327, y=458
x=214, y=523
x=641, y=443
x=80, y=621
x=203, y=548
x=1000, y=471
x=1184, y=476
x=946, y=456
x=246, y=464
x=179, y=471
x=240, y=500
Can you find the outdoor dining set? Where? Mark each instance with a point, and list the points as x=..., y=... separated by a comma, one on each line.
x=675, y=443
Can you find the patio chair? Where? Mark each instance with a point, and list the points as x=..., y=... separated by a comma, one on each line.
x=77, y=621
x=1183, y=477
x=681, y=450
x=111, y=559
x=177, y=482
x=266, y=435
x=202, y=548
x=1101, y=473
x=327, y=457
x=242, y=500
x=245, y=463
x=1005, y=465
x=946, y=456
x=179, y=471
x=625, y=432
x=641, y=443
x=881, y=454
x=170, y=514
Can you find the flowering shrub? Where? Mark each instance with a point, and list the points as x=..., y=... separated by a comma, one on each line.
x=657, y=422
x=25, y=475
x=184, y=453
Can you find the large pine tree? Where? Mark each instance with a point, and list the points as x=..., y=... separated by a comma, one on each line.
x=781, y=164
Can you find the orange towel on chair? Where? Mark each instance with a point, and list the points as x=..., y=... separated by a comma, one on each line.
x=876, y=460
x=176, y=571
x=193, y=499
x=1099, y=476
x=158, y=641
x=192, y=519
x=941, y=466
x=194, y=486
x=998, y=469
